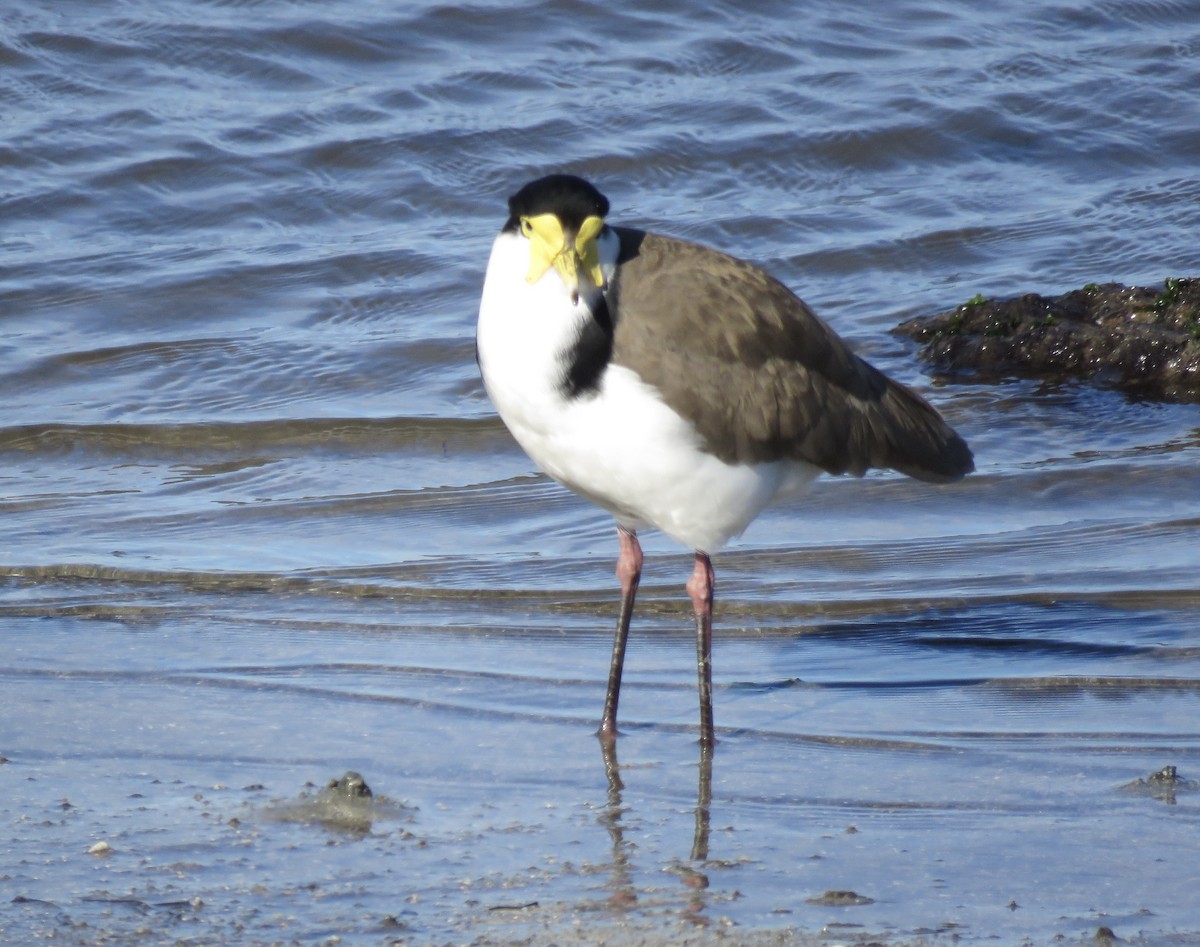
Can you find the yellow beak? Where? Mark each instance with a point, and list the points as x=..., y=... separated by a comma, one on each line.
x=569, y=254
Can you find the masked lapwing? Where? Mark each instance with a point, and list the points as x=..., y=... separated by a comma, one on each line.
x=678, y=388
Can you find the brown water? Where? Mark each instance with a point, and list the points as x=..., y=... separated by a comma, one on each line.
x=260, y=524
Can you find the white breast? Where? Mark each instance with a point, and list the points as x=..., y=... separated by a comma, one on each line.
x=621, y=446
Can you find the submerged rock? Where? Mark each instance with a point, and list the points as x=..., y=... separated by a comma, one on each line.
x=350, y=787
x=840, y=899
x=1162, y=785
x=1144, y=341
x=346, y=804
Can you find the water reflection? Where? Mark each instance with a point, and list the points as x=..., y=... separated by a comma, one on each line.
x=624, y=894
x=692, y=873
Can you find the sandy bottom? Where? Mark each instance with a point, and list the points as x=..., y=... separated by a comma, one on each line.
x=104, y=856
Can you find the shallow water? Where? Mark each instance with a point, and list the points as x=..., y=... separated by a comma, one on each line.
x=261, y=526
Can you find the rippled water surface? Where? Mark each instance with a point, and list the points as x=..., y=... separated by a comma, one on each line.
x=261, y=526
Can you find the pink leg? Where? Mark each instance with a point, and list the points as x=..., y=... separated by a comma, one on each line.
x=629, y=574
x=700, y=587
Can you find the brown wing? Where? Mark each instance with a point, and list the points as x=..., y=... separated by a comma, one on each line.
x=759, y=374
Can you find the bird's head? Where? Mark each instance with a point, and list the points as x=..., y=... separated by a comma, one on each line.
x=562, y=217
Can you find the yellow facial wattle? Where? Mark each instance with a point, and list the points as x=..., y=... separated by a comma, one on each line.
x=550, y=245
x=589, y=250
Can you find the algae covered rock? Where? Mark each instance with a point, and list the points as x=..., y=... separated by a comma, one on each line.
x=1144, y=341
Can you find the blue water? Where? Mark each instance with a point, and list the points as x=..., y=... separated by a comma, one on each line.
x=260, y=525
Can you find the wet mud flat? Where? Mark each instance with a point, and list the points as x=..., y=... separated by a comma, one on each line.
x=336, y=862
x=1141, y=340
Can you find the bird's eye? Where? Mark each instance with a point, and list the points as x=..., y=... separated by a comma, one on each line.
x=526, y=227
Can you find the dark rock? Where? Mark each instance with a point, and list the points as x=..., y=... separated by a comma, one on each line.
x=840, y=899
x=350, y=786
x=1143, y=341
x=1164, y=784
x=345, y=805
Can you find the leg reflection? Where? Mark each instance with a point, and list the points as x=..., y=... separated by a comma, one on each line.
x=694, y=877
x=623, y=893
x=691, y=873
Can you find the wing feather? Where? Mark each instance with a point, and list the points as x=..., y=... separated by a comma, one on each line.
x=758, y=373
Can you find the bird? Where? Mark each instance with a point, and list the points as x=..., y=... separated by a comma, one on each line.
x=679, y=388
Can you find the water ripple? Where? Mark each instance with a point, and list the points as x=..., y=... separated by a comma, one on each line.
x=259, y=516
